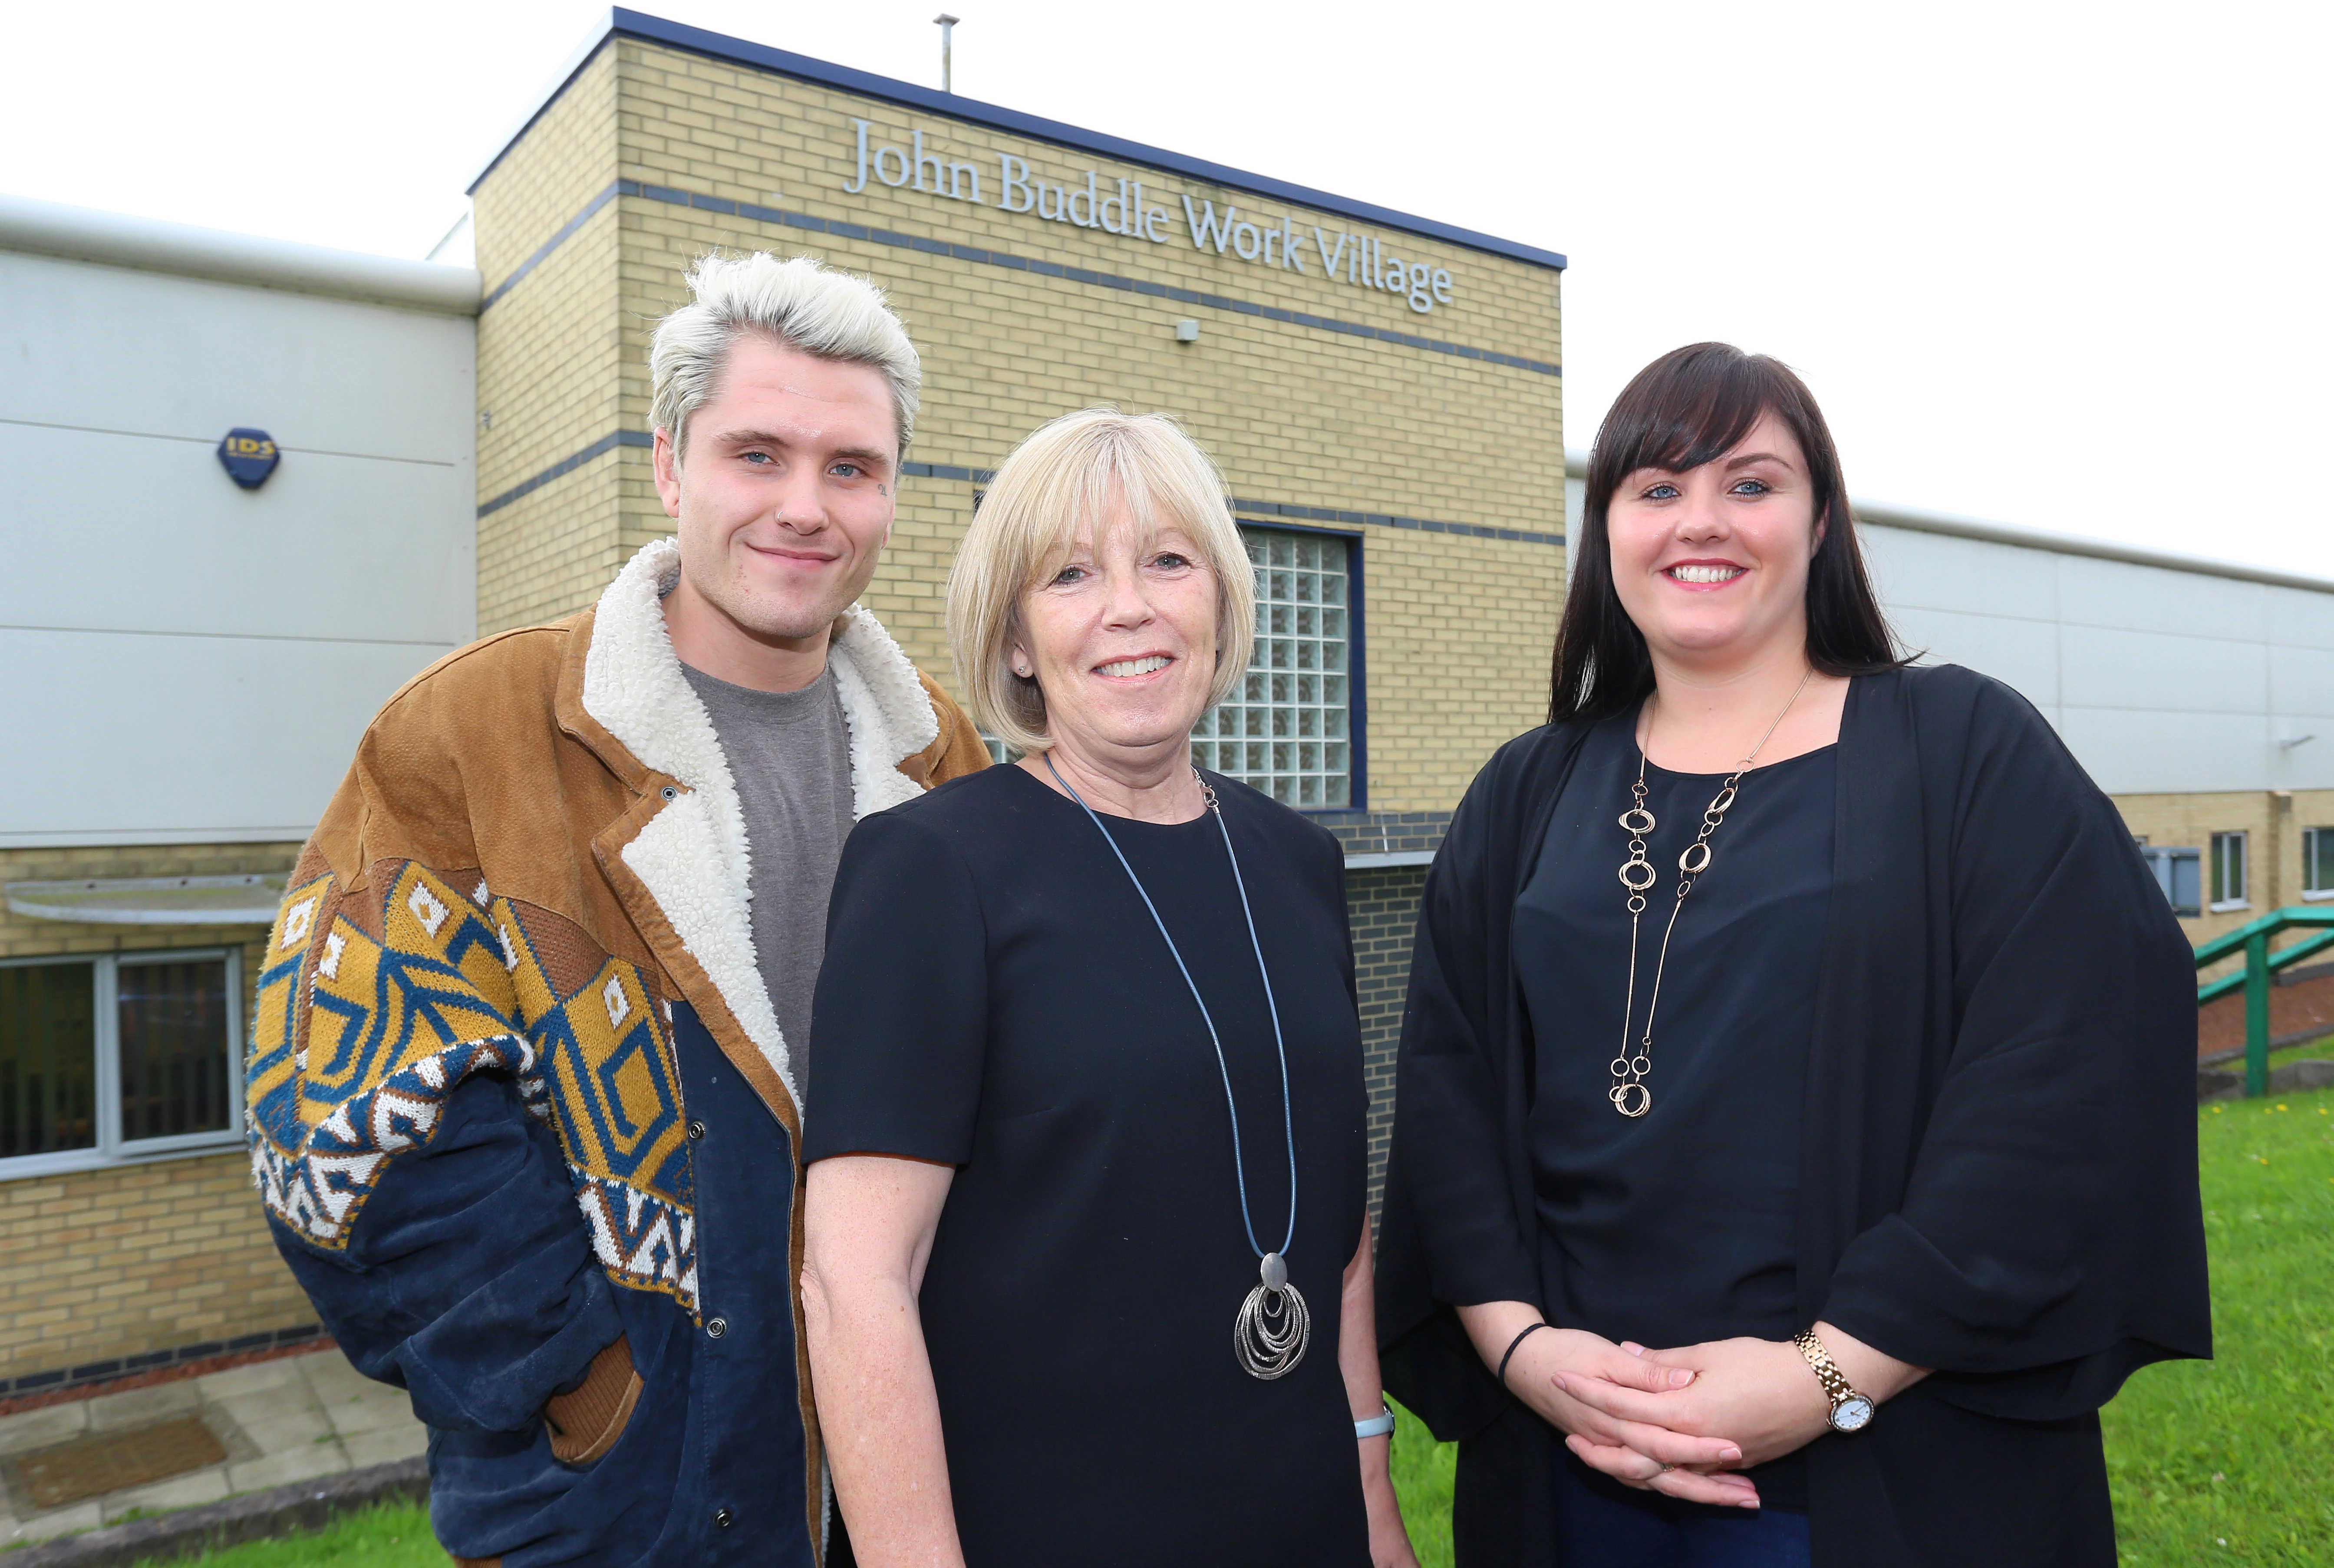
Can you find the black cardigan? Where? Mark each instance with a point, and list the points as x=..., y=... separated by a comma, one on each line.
x=2000, y=1140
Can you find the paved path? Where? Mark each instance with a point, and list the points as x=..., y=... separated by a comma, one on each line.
x=279, y=1421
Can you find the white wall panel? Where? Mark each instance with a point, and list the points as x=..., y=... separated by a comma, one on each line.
x=109, y=349
x=117, y=737
x=182, y=659
x=150, y=535
x=2139, y=750
x=2298, y=619
x=2300, y=681
x=1937, y=571
x=2023, y=654
x=2168, y=675
x=2159, y=679
x=2123, y=594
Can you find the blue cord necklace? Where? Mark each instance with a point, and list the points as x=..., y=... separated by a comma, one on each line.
x=1274, y=1326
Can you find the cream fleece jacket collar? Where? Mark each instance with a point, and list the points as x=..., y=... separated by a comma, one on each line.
x=693, y=855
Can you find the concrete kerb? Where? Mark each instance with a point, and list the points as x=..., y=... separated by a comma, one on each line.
x=2293, y=1078
x=304, y=1507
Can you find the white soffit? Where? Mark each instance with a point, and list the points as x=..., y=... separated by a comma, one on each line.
x=1882, y=514
x=150, y=244
x=232, y=900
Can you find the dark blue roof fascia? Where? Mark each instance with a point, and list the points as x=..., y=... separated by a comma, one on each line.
x=625, y=23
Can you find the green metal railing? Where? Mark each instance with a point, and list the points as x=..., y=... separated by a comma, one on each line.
x=2253, y=941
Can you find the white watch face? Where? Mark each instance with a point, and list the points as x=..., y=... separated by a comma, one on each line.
x=1852, y=1414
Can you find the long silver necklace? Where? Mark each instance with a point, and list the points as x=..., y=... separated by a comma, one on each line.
x=1631, y=1095
x=1273, y=1326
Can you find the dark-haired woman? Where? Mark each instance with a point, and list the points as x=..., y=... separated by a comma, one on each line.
x=1795, y=1020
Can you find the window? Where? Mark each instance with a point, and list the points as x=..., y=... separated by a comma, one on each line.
x=2317, y=863
x=2228, y=872
x=1288, y=730
x=116, y=1057
x=2179, y=873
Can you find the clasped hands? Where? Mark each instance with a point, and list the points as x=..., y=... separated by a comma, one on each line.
x=1684, y=1421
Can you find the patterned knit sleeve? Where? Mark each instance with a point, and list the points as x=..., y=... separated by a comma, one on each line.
x=402, y=1140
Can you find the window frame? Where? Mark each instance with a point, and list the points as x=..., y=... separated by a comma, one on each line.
x=2243, y=897
x=2161, y=858
x=2310, y=838
x=1357, y=685
x=112, y=1149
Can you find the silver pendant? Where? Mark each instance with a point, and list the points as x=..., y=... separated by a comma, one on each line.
x=1274, y=1327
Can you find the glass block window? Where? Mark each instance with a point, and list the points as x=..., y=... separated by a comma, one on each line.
x=116, y=1056
x=1288, y=730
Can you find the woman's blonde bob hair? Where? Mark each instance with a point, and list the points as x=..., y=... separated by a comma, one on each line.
x=1086, y=471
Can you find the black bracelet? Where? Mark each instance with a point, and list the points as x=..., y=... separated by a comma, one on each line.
x=1512, y=1343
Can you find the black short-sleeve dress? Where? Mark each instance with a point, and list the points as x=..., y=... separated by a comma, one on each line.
x=996, y=997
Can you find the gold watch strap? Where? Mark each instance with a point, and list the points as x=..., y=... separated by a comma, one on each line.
x=1835, y=1383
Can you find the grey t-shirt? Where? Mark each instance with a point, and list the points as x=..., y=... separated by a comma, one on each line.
x=790, y=755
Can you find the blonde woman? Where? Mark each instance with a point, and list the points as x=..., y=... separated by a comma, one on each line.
x=1088, y=1269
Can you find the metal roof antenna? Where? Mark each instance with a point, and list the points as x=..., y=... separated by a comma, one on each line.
x=947, y=32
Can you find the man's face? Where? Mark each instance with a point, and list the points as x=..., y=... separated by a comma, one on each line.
x=785, y=495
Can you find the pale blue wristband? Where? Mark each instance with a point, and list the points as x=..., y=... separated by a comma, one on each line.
x=1378, y=1425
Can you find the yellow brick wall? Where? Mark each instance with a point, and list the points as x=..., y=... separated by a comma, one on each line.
x=548, y=357
x=1295, y=415
x=132, y=1258
x=147, y=1258
x=2273, y=821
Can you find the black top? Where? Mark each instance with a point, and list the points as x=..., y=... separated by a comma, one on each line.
x=1997, y=1166
x=996, y=997
x=1679, y=1226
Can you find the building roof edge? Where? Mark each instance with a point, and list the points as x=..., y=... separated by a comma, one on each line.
x=627, y=23
x=1886, y=515
x=151, y=244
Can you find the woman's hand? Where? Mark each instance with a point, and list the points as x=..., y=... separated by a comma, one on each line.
x=1358, y=1362
x=1389, y=1537
x=1645, y=1454
x=1759, y=1392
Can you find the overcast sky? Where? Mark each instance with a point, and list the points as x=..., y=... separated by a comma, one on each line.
x=2043, y=263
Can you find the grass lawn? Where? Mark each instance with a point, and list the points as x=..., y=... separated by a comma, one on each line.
x=2221, y=1461
x=389, y=1535
x=2211, y=1462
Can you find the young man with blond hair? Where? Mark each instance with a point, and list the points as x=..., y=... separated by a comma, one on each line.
x=526, y=1083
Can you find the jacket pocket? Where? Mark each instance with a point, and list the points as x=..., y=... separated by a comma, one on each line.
x=586, y=1422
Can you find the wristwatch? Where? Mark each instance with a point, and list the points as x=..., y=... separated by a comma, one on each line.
x=1850, y=1412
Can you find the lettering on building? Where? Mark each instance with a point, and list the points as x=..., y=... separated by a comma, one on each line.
x=1122, y=206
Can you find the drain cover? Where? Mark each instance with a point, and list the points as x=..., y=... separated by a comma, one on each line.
x=90, y=1468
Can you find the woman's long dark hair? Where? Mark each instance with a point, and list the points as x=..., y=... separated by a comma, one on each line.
x=1687, y=408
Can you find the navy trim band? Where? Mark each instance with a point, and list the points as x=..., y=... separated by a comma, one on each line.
x=625, y=23
x=1266, y=512
x=554, y=241
x=772, y=214
x=1271, y=510
x=50, y=1382
x=568, y=464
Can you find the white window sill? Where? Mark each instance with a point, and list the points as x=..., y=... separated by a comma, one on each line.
x=74, y=1161
x=2226, y=904
x=2317, y=895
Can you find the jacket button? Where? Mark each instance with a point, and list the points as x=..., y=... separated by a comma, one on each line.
x=716, y=1327
x=721, y=1518
x=696, y=1131
x=669, y=793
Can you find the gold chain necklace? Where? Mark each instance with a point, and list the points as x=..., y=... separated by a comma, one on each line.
x=1630, y=1095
